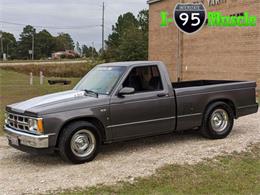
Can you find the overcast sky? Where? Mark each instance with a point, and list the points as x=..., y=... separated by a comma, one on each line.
x=84, y=14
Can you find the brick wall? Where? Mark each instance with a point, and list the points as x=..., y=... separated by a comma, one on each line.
x=212, y=53
x=162, y=41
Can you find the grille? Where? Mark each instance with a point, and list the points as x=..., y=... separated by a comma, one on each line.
x=17, y=122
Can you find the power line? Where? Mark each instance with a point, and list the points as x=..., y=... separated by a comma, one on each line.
x=50, y=27
x=103, y=26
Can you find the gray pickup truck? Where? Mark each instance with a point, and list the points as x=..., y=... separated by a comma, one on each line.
x=122, y=101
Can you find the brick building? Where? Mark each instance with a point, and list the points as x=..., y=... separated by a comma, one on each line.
x=213, y=52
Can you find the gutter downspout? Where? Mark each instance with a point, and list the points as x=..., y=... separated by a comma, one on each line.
x=179, y=54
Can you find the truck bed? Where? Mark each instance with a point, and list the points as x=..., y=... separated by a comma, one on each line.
x=193, y=97
x=197, y=83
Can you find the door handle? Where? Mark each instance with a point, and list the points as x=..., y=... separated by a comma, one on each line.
x=162, y=94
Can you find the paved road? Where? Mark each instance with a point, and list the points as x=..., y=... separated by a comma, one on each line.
x=24, y=173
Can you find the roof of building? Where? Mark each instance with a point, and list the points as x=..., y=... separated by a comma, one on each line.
x=153, y=1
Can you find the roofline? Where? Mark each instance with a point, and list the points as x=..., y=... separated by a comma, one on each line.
x=152, y=1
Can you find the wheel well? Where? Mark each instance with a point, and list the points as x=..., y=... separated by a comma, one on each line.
x=227, y=101
x=92, y=120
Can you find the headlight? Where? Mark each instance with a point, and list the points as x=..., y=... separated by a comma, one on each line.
x=32, y=123
x=36, y=125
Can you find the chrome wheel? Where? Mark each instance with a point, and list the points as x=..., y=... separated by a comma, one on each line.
x=219, y=120
x=83, y=143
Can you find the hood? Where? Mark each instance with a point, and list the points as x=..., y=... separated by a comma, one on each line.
x=47, y=100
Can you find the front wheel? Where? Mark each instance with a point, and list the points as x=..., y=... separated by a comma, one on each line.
x=79, y=142
x=218, y=121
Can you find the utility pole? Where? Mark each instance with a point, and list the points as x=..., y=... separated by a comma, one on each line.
x=2, y=47
x=103, y=26
x=179, y=54
x=7, y=48
x=32, y=46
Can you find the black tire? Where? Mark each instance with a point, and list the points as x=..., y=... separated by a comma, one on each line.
x=67, y=151
x=209, y=129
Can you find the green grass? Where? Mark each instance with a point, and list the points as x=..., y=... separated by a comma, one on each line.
x=14, y=87
x=232, y=174
x=54, y=70
x=44, y=60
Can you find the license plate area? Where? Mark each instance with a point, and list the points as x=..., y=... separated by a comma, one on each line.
x=13, y=140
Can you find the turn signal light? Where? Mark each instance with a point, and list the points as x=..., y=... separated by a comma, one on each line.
x=40, y=125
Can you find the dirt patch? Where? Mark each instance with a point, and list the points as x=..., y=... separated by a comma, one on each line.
x=25, y=173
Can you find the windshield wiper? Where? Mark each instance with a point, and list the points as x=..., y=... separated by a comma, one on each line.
x=91, y=92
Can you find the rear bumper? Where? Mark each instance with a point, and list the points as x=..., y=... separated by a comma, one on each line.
x=26, y=139
x=246, y=110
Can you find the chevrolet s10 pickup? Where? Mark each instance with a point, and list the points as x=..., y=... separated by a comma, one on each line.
x=122, y=101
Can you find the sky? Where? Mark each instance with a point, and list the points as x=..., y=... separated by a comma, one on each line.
x=82, y=17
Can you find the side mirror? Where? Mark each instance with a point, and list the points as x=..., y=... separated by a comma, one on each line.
x=126, y=91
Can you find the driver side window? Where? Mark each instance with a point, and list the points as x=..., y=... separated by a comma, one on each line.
x=144, y=79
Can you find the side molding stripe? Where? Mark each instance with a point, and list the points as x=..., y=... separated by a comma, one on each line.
x=139, y=122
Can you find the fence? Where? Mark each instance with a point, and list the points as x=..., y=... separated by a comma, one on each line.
x=41, y=78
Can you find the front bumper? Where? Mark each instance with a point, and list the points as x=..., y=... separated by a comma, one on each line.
x=26, y=139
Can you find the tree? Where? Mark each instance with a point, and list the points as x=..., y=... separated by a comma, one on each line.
x=25, y=42
x=143, y=20
x=132, y=46
x=89, y=51
x=129, y=38
x=44, y=44
x=124, y=24
x=78, y=48
x=84, y=50
x=9, y=45
x=63, y=42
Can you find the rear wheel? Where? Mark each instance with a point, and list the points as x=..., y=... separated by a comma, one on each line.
x=218, y=121
x=79, y=142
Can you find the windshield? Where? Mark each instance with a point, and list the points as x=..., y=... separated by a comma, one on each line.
x=101, y=79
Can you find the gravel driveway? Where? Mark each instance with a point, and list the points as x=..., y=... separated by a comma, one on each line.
x=24, y=173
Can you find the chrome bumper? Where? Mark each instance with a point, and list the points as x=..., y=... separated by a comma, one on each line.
x=34, y=141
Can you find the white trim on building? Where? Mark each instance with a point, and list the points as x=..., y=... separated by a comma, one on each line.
x=152, y=1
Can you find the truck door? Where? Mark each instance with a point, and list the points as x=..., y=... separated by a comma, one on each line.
x=148, y=111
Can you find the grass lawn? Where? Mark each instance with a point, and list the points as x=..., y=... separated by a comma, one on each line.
x=14, y=87
x=232, y=174
x=73, y=70
x=44, y=60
